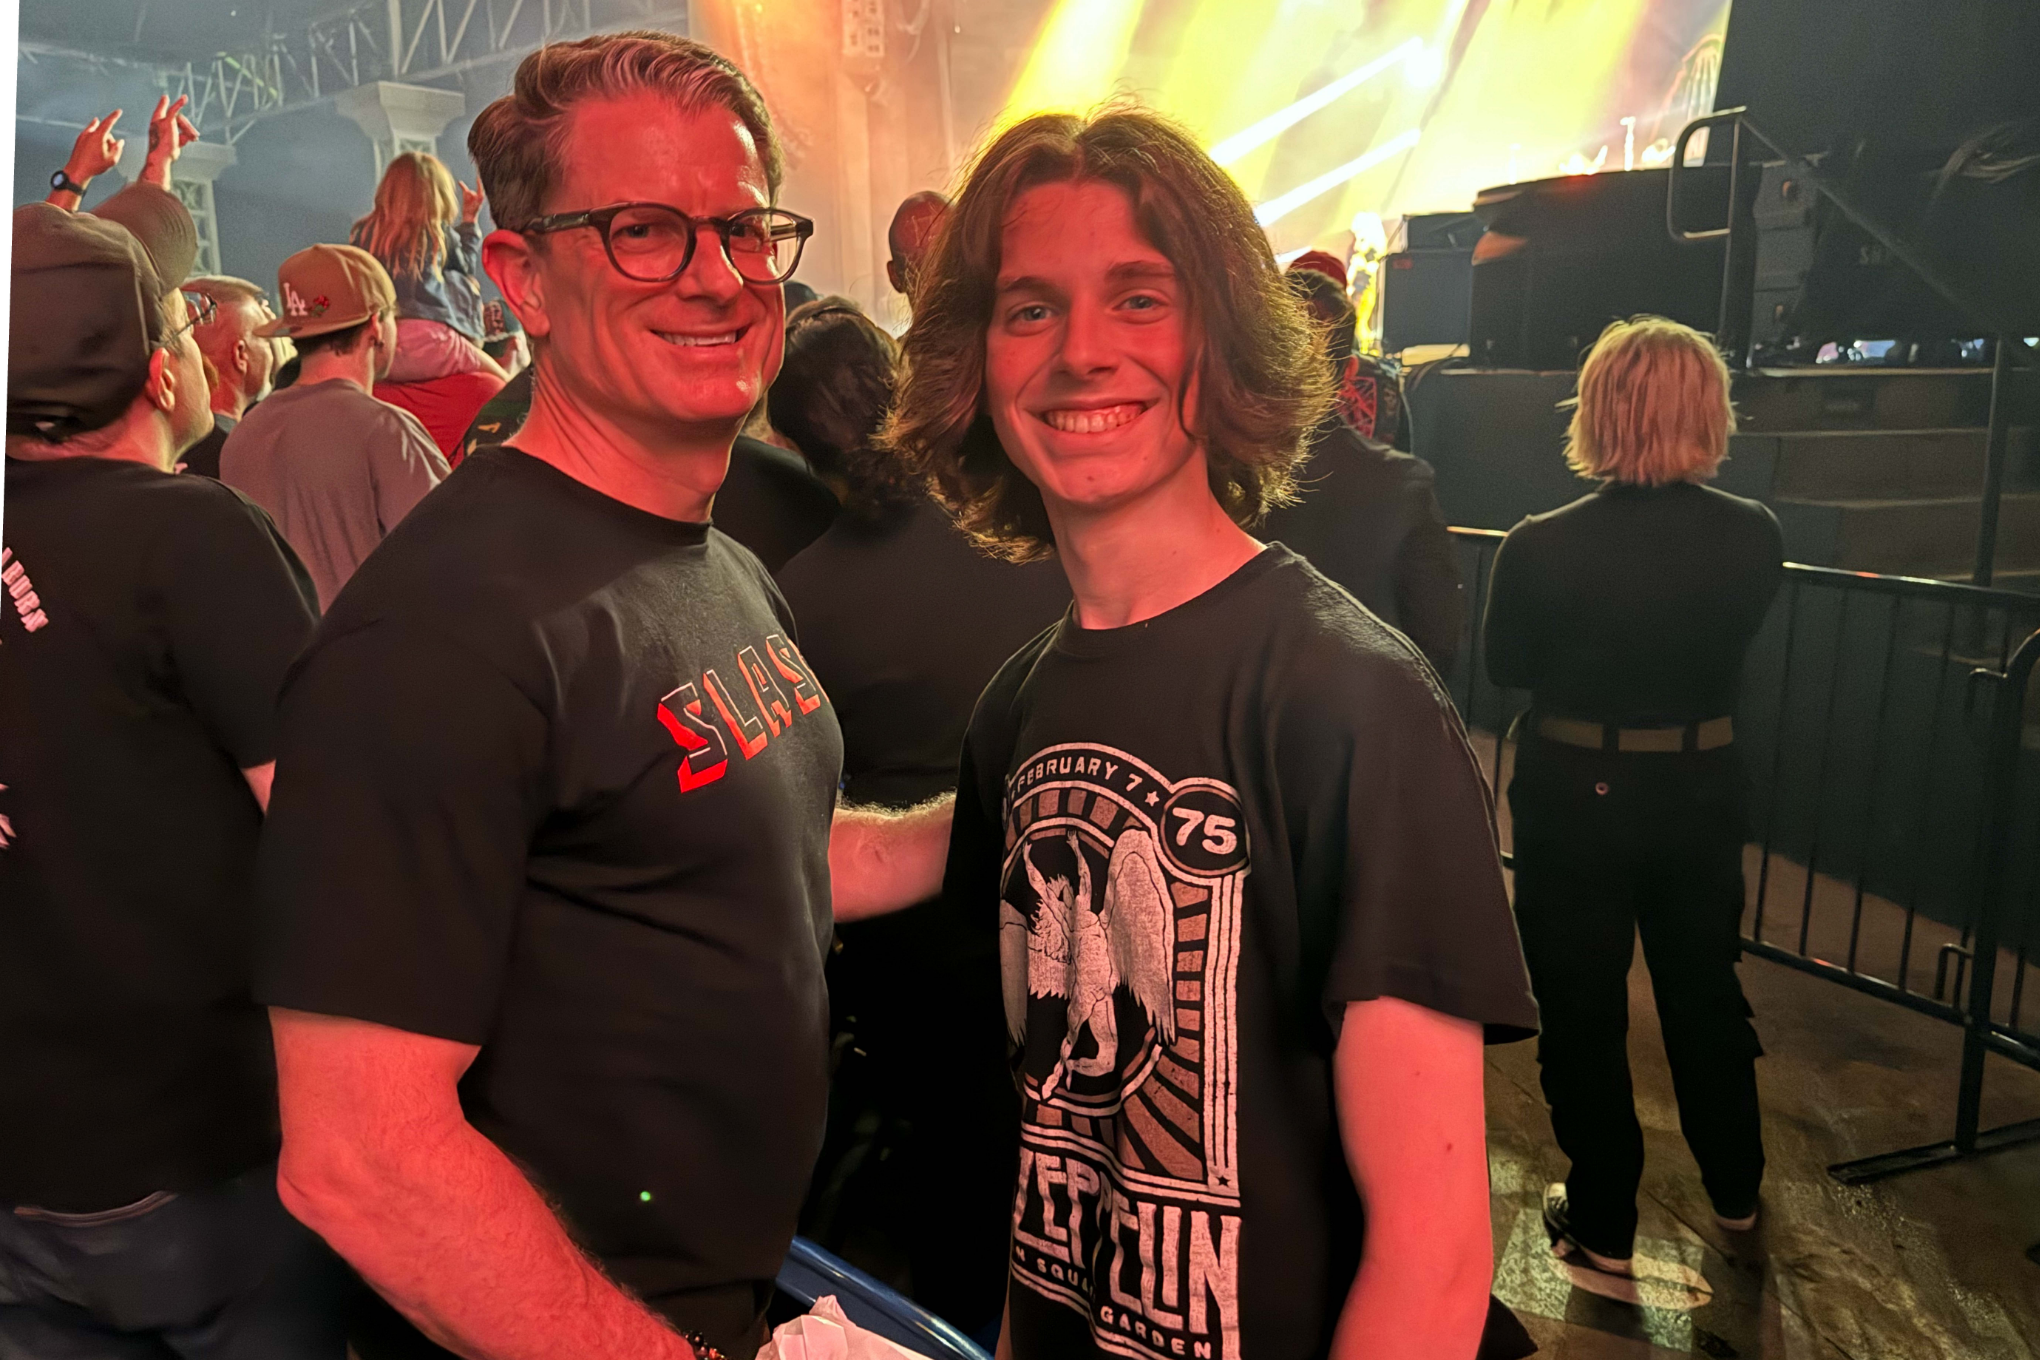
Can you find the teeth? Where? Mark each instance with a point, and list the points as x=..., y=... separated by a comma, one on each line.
x=697, y=341
x=1094, y=421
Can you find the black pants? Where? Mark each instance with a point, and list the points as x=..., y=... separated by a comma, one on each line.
x=220, y=1273
x=1607, y=845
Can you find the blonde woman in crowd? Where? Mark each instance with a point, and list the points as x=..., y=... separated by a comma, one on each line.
x=423, y=230
x=1627, y=615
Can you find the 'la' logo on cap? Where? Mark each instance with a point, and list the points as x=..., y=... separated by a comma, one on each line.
x=294, y=302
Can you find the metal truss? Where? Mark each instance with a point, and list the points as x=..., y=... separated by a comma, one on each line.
x=415, y=41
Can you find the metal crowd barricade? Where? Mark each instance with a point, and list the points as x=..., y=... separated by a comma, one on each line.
x=1894, y=760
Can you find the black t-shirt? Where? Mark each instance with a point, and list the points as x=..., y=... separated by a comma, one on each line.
x=770, y=501
x=1634, y=604
x=905, y=621
x=204, y=456
x=556, y=781
x=1368, y=518
x=145, y=625
x=1198, y=837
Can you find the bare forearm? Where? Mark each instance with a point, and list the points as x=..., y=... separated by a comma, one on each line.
x=1408, y=1086
x=1411, y=1304
x=462, y=1245
x=882, y=861
x=379, y=1160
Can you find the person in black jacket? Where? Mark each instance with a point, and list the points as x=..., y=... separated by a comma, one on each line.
x=905, y=620
x=1627, y=615
x=1367, y=516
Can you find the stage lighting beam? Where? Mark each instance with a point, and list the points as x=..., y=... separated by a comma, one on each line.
x=1277, y=208
x=1280, y=121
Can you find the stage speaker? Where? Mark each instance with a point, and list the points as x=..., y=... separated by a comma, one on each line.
x=1425, y=298
x=1564, y=257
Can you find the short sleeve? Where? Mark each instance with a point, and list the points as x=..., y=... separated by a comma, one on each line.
x=1398, y=862
x=238, y=608
x=970, y=880
x=404, y=468
x=393, y=863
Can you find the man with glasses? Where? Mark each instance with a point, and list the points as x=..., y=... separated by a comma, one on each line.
x=556, y=837
x=230, y=314
x=335, y=467
x=146, y=621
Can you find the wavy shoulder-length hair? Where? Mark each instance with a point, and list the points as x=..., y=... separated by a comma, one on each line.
x=1653, y=406
x=415, y=202
x=1262, y=379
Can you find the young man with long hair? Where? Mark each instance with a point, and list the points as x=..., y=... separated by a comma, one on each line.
x=1221, y=822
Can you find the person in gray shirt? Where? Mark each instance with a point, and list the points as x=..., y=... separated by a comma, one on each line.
x=333, y=466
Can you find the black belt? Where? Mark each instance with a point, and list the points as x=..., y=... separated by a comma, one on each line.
x=1710, y=735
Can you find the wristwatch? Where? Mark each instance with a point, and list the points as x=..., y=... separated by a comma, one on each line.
x=61, y=182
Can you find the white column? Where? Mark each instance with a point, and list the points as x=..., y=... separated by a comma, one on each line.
x=191, y=179
x=400, y=118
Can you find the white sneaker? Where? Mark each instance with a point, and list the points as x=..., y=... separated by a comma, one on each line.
x=1565, y=1246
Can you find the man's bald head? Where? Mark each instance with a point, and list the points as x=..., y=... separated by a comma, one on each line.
x=246, y=363
x=912, y=232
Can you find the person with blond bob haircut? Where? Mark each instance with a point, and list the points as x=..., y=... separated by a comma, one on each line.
x=1219, y=826
x=1653, y=406
x=1627, y=615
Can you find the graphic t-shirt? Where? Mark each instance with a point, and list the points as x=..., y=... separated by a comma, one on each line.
x=556, y=781
x=146, y=621
x=1198, y=837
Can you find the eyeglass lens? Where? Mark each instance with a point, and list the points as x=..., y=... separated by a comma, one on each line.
x=650, y=243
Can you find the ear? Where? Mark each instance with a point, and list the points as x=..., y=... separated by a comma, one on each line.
x=511, y=261
x=241, y=355
x=161, y=387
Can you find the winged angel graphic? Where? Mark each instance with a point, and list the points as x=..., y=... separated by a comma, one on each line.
x=1084, y=956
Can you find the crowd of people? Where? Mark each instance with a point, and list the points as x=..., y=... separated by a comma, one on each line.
x=484, y=843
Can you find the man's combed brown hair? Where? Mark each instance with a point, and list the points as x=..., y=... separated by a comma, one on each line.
x=517, y=141
x=1262, y=379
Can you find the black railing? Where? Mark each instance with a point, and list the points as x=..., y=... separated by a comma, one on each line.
x=1732, y=331
x=1880, y=725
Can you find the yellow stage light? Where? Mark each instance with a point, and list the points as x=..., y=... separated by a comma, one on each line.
x=1280, y=121
x=1077, y=59
x=1275, y=209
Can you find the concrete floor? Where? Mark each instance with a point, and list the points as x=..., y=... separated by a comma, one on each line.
x=1931, y=1264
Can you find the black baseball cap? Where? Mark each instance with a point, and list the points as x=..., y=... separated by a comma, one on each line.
x=86, y=310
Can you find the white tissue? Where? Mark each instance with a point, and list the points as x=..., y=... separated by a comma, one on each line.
x=826, y=1333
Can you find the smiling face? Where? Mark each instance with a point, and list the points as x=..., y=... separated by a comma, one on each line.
x=696, y=352
x=1090, y=352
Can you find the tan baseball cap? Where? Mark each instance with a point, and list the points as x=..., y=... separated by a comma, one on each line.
x=329, y=288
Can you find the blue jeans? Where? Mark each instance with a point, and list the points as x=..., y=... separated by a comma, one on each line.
x=219, y=1273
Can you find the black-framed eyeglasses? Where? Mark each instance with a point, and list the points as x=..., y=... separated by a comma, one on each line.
x=654, y=243
x=199, y=310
